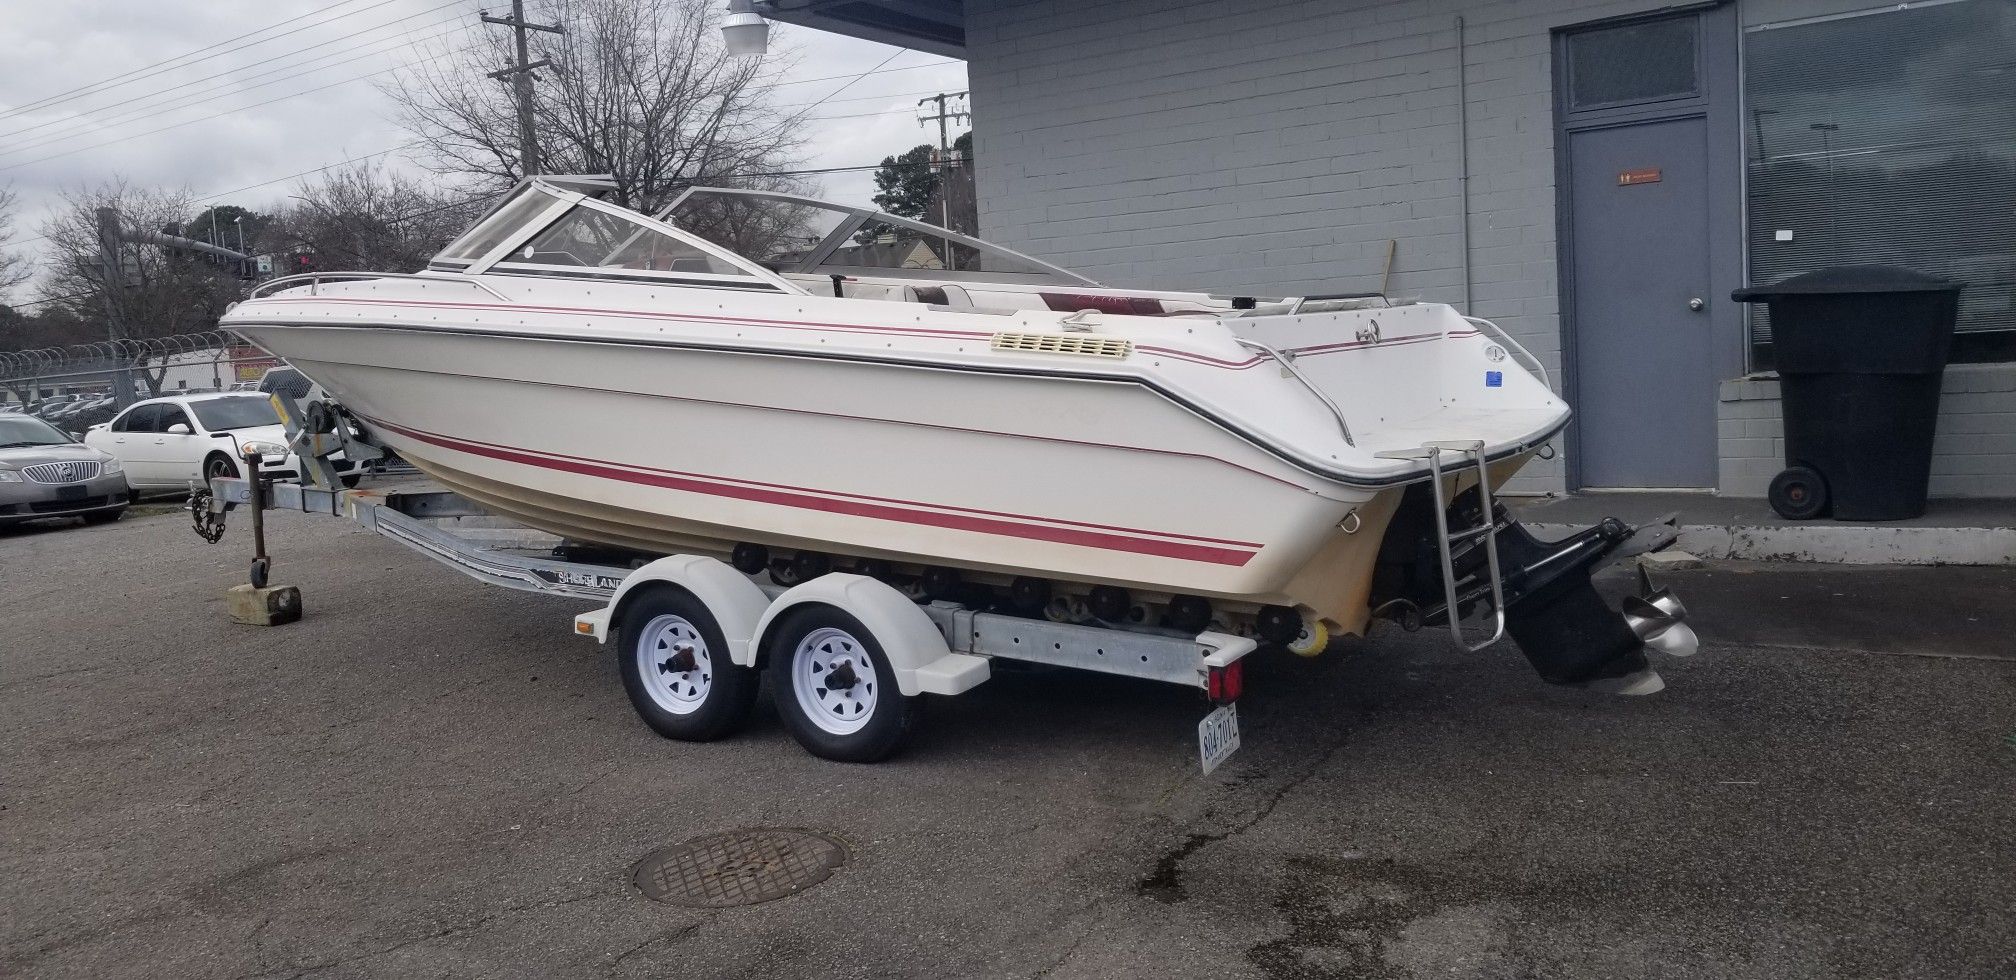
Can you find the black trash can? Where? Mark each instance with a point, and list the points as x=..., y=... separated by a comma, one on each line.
x=1861, y=353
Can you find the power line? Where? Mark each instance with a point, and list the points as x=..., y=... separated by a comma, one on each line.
x=93, y=127
x=899, y=52
x=304, y=173
x=238, y=78
x=49, y=299
x=162, y=66
x=191, y=122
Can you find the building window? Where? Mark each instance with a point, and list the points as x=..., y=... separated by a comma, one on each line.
x=1634, y=63
x=1888, y=137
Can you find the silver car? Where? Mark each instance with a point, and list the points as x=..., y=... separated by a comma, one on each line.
x=44, y=473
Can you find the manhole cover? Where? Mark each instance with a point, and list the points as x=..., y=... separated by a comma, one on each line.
x=741, y=867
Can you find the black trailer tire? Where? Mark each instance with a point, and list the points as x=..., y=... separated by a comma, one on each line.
x=676, y=668
x=865, y=718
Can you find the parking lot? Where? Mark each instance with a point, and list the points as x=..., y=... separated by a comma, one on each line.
x=429, y=777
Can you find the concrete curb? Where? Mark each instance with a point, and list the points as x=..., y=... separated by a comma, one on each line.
x=1840, y=544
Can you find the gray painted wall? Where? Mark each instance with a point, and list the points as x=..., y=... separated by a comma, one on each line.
x=1274, y=146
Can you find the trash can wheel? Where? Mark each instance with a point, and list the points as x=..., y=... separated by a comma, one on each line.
x=1798, y=493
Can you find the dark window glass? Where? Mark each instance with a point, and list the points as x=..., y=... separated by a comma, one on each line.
x=1888, y=139
x=171, y=416
x=222, y=414
x=142, y=418
x=1633, y=63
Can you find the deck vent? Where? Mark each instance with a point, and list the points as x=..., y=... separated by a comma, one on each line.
x=1083, y=345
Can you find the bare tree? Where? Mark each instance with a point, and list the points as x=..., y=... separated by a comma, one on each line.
x=640, y=89
x=372, y=219
x=158, y=292
x=14, y=267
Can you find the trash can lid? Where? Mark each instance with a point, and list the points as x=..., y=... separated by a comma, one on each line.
x=1849, y=279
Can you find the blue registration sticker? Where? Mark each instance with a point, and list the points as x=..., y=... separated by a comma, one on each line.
x=1494, y=379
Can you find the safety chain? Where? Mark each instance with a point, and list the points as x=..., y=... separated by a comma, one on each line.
x=209, y=525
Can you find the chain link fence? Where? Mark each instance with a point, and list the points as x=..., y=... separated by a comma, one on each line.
x=74, y=388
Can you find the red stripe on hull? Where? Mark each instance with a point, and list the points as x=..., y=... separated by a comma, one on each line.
x=1102, y=540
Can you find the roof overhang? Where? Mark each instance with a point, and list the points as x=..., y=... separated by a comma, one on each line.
x=937, y=26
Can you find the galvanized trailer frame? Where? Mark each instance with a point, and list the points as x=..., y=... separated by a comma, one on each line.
x=406, y=516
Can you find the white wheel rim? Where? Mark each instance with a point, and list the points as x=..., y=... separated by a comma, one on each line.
x=841, y=710
x=659, y=646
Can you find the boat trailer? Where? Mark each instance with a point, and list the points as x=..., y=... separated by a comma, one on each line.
x=708, y=618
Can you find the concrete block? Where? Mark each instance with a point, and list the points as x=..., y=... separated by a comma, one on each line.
x=274, y=605
x=1669, y=561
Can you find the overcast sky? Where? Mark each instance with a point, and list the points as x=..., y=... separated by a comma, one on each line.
x=213, y=136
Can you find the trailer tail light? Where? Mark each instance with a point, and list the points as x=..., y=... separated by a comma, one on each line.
x=1225, y=684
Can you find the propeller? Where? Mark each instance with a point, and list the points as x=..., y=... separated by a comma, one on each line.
x=1659, y=620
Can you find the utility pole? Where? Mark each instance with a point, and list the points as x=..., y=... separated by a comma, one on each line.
x=112, y=276
x=520, y=74
x=942, y=117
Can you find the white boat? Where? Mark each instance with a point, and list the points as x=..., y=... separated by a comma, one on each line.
x=805, y=386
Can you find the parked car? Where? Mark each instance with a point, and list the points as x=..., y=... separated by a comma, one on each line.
x=45, y=474
x=169, y=443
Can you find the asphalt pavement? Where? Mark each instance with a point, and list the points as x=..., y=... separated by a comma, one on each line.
x=429, y=777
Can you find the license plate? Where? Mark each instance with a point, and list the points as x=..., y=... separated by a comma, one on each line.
x=74, y=491
x=1218, y=736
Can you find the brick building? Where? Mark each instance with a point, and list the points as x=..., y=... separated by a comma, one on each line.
x=1580, y=171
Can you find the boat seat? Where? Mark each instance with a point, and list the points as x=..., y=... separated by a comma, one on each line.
x=943, y=294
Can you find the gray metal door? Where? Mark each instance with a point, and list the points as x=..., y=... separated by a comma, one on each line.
x=1645, y=348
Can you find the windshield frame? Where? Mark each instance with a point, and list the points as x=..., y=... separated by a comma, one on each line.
x=195, y=407
x=811, y=263
x=62, y=437
x=754, y=274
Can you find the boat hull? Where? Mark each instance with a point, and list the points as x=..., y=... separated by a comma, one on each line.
x=678, y=448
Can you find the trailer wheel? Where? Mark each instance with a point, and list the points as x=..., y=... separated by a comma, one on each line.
x=676, y=668
x=834, y=686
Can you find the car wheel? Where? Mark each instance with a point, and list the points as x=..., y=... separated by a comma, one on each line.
x=219, y=466
x=104, y=516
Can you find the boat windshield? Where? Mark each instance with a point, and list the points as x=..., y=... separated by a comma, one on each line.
x=788, y=233
x=524, y=204
x=589, y=237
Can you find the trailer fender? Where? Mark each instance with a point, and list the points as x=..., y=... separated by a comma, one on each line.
x=917, y=651
x=736, y=602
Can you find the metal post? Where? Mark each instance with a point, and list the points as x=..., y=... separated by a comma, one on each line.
x=112, y=276
x=262, y=566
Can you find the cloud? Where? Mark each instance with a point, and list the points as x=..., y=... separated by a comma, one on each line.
x=57, y=46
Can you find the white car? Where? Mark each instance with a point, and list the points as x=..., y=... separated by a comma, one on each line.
x=169, y=443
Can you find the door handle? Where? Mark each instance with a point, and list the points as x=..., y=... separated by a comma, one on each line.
x=1696, y=304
